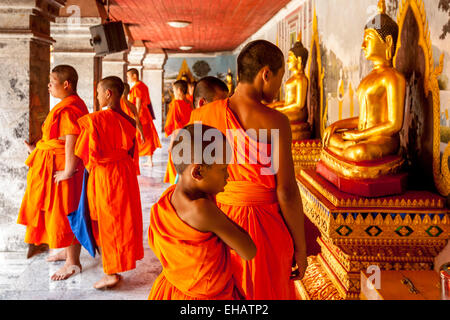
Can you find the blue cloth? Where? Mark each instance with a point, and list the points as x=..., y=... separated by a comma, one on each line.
x=80, y=221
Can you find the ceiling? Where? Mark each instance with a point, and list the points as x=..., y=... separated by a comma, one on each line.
x=216, y=25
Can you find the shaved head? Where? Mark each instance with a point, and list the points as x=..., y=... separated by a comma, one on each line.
x=114, y=84
x=66, y=73
x=182, y=85
x=134, y=72
x=257, y=55
x=209, y=88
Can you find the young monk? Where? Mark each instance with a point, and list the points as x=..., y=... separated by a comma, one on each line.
x=178, y=116
x=55, y=175
x=188, y=233
x=107, y=146
x=267, y=205
x=140, y=97
x=190, y=92
x=209, y=89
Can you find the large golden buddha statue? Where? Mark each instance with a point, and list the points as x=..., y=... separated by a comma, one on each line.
x=366, y=147
x=381, y=94
x=296, y=88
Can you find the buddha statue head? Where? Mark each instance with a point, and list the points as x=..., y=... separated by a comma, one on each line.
x=298, y=55
x=380, y=36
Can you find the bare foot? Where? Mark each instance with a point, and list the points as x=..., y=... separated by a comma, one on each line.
x=66, y=272
x=108, y=281
x=60, y=256
x=36, y=249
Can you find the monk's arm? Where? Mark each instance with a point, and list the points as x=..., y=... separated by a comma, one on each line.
x=287, y=191
x=210, y=218
x=71, y=160
x=134, y=111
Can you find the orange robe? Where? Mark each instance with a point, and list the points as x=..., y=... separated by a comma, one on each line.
x=140, y=90
x=177, y=118
x=250, y=200
x=107, y=146
x=45, y=205
x=190, y=98
x=195, y=264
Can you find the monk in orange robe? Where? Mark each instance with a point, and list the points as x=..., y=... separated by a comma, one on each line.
x=107, y=146
x=177, y=117
x=55, y=175
x=190, y=92
x=209, y=89
x=189, y=234
x=261, y=196
x=140, y=97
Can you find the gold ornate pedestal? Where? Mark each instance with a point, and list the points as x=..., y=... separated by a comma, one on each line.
x=306, y=154
x=403, y=232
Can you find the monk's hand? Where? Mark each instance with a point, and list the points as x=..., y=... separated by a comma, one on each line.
x=299, y=265
x=30, y=146
x=63, y=175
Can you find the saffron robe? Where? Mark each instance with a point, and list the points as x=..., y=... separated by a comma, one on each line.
x=140, y=90
x=107, y=146
x=250, y=200
x=195, y=264
x=177, y=117
x=45, y=205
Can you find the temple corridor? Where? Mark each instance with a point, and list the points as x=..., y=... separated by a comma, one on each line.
x=29, y=279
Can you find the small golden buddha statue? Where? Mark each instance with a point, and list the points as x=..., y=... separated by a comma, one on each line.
x=230, y=83
x=296, y=88
x=381, y=95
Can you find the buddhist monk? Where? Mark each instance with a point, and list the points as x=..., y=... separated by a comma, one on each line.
x=107, y=146
x=209, y=89
x=177, y=117
x=261, y=196
x=188, y=232
x=55, y=175
x=140, y=97
x=190, y=92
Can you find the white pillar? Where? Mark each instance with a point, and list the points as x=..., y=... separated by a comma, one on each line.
x=135, y=57
x=24, y=101
x=115, y=64
x=73, y=47
x=153, y=77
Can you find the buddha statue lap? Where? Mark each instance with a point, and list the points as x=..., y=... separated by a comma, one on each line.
x=296, y=88
x=366, y=147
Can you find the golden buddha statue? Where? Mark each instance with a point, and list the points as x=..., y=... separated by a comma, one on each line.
x=296, y=88
x=381, y=95
x=230, y=83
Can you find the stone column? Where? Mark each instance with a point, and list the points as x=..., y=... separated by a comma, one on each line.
x=115, y=64
x=135, y=57
x=73, y=47
x=24, y=103
x=153, y=77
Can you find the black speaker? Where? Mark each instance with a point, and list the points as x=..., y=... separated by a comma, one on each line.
x=108, y=38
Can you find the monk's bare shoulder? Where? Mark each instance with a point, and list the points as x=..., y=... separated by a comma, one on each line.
x=202, y=214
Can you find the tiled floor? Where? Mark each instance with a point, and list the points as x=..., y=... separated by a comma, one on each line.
x=22, y=278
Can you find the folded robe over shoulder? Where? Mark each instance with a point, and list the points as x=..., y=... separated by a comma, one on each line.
x=107, y=147
x=250, y=200
x=195, y=264
x=177, y=118
x=152, y=142
x=45, y=205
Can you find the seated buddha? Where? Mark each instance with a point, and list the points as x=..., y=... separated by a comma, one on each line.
x=374, y=135
x=296, y=88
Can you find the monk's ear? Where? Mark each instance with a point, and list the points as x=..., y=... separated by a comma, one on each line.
x=201, y=102
x=196, y=172
x=265, y=73
x=66, y=84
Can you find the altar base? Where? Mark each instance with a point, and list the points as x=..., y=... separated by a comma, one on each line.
x=403, y=232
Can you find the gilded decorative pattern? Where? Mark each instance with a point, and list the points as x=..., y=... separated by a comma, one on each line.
x=316, y=285
x=315, y=43
x=441, y=171
x=306, y=154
